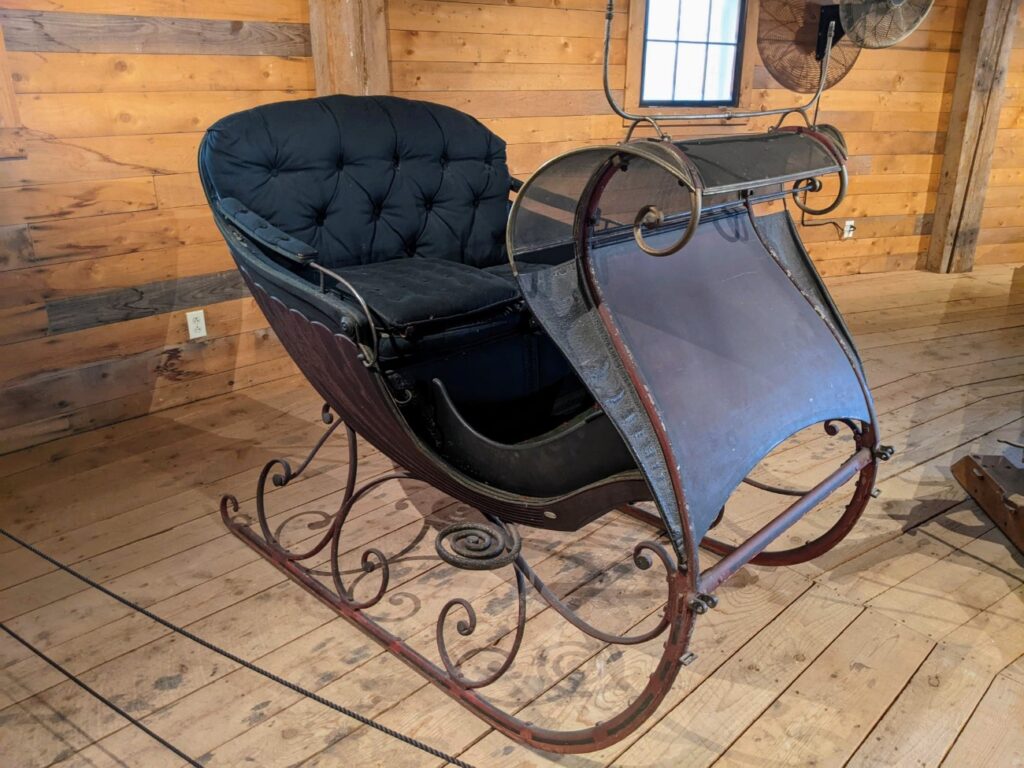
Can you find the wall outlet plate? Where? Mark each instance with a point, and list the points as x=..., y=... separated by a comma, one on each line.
x=196, y=320
x=849, y=228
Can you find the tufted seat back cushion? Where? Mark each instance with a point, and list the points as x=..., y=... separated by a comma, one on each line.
x=366, y=179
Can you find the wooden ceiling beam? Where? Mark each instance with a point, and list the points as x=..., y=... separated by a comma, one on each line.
x=350, y=46
x=971, y=137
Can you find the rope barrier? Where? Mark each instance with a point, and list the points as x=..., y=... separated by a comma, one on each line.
x=363, y=719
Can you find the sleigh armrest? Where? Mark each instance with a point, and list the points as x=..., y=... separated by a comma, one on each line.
x=261, y=231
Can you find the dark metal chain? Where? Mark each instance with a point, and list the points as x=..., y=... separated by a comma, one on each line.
x=367, y=721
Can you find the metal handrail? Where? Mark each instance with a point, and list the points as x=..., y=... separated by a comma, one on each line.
x=368, y=362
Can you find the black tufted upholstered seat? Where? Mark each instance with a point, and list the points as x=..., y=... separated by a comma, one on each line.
x=367, y=180
x=417, y=295
x=406, y=200
x=347, y=211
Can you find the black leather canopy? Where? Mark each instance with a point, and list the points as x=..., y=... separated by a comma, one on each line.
x=365, y=180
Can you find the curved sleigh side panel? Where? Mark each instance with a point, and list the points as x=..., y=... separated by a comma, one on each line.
x=722, y=342
x=333, y=364
x=734, y=358
x=543, y=466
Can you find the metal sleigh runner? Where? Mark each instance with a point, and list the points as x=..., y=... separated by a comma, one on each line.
x=627, y=329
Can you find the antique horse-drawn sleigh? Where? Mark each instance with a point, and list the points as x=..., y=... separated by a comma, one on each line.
x=626, y=329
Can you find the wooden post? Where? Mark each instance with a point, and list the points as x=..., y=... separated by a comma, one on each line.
x=350, y=46
x=971, y=137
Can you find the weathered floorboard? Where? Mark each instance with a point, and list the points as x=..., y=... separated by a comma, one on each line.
x=897, y=647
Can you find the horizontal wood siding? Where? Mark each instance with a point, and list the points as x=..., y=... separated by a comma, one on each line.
x=53, y=32
x=76, y=313
x=1001, y=237
x=105, y=238
x=106, y=241
x=531, y=70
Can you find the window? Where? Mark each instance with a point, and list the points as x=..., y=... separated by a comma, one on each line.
x=692, y=53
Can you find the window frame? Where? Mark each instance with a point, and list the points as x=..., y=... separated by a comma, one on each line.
x=636, y=45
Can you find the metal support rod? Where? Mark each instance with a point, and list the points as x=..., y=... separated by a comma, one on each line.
x=713, y=577
x=727, y=114
x=643, y=516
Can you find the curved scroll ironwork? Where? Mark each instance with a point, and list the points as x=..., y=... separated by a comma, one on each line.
x=832, y=427
x=652, y=216
x=371, y=560
x=475, y=545
x=478, y=546
x=467, y=626
x=523, y=572
x=285, y=476
x=864, y=436
x=800, y=190
x=642, y=562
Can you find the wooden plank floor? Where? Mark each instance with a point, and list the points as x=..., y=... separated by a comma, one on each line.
x=903, y=646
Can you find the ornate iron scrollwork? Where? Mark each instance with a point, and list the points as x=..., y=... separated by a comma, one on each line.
x=472, y=545
x=478, y=546
x=372, y=560
x=832, y=427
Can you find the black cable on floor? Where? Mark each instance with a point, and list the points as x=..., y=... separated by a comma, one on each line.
x=92, y=692
x=369, y=722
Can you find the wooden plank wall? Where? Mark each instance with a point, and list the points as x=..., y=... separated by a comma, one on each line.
x=1001, y=238
x=531, y=70
x=105, y=239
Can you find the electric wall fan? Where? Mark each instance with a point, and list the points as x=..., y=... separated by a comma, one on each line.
x=792, y=36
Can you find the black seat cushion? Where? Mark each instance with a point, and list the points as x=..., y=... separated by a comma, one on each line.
x=366, y=179
x=429, y=293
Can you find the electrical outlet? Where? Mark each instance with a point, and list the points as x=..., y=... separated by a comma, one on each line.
x=196, y=320
x=849, y=228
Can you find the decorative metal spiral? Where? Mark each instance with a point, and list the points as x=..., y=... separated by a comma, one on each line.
x=372, y=560
x=651, y=216
x=230, y=500
x=478, y=546
x=832, y=427
x=286, y=475
x=642, y=559
x=467, y=627
x=800, y=188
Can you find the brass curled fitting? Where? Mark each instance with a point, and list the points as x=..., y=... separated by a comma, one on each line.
x=652, y=216
x=799, y=188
